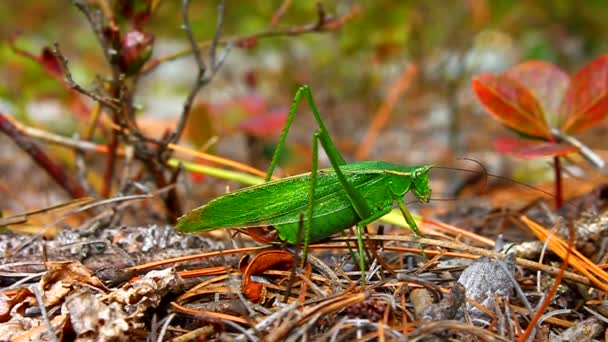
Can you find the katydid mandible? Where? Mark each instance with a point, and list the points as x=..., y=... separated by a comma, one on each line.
x=332, y=199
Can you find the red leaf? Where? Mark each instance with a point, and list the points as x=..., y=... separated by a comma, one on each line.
x=511, y=103
x=50, y=62
x=253, y=105
x=268, y=260
x=586, y=102
x=264, y=125
x=530, y=149
x=547, y=82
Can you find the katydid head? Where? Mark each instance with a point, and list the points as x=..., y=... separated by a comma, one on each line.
x=420, y=184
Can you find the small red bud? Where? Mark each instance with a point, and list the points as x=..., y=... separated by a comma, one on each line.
x=135, y=50
x=251, y=79
x=247, y=42
x=135, y=11
x=50, y=62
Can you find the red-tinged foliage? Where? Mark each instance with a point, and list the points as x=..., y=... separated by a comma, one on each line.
x=546, y=82
x=511, y=103
x=50, y=62
x=197, y=178
x=586, y=102
x=251, y=79
x=531, y=149
x=536, y=98
x=267, y=124
x=557, y=102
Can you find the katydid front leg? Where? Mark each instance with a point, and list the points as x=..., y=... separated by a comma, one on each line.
x=407, y=216
x=360, y=241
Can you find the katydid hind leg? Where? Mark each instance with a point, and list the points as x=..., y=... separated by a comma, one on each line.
x=311, y=194
x=336, y=159
x=324, y=138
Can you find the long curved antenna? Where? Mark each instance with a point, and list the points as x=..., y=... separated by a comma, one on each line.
x=483, y=167
x=507, y=179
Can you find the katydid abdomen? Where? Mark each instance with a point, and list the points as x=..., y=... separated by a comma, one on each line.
x=280, y=203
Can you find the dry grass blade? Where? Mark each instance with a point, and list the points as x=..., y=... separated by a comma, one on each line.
x=458, y=231
x=54, y=209
x=577, y=260
x=164, y=262
x=474, y=250
x=382, y=116
x=83, y=145
x=426, y=328
x=558, y=278
x=215, y=315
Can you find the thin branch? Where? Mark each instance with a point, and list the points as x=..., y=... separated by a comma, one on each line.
x=321, y=17
x=201, y=79
x=196, y=51
x=95, y=19
x=68, y=77
x=43, y=313
x=280, y=13
x=328, y=24
x=53, y=169
x=216, y=36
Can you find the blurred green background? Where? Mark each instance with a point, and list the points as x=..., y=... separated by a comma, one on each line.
x=350, y=70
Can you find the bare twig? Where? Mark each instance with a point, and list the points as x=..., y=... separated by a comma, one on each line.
x=280, y=13
x=95, y=19
x=328, y=24
x=43, y=313
x=41, y=158
x=68, y=77
x=204, y=75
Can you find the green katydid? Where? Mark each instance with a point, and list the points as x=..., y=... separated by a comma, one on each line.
x=332, y=199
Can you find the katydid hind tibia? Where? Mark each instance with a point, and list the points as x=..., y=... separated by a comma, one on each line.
x=332, y=199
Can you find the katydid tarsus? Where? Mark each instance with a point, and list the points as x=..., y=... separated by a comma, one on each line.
x=332, y=199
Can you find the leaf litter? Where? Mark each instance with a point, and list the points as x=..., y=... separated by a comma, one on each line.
x=98, y=287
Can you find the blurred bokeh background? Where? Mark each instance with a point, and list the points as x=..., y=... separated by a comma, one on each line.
x=429, y=48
